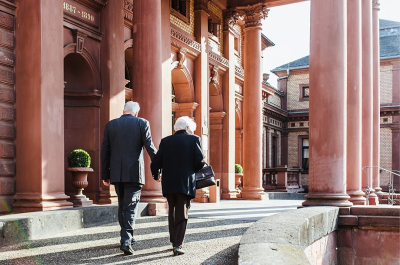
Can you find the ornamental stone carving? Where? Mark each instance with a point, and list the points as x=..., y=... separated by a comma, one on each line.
x=252, y=15
x=189, y=42
x=219, y=59
x=376, y=4
x=214, y=75
x=128, y=10
x=231, y=17
x=201, y=5
x=79, y=37
x=182, y=57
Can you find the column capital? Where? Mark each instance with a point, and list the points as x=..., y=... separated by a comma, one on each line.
x=230, y=17
x=253, y=14
x=201, y=5
x=376, y=5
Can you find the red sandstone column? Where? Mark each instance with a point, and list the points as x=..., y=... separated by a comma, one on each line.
x=228, y=92
x=328, y=59
x=252, y=107
x=39, y=106
x=367, y=95
x=354, y=102
x=376, y=98
x=147, y=79
x=112, y=76
x=201, y=83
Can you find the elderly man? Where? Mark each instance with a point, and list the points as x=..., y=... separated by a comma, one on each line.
x=122, y=165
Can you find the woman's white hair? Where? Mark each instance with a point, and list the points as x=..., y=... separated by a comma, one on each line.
x=183, y=122
x=131, y=106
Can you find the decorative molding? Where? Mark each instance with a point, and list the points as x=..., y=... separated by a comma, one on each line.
x=214, y=75
x=201, y=5
x=128, y=10
x=184, y=39
x=219, y=59
x=239, y=71
x=253, y=14
x=376, y=5
x=182, y=57
x=230, y=17
x=79, y=38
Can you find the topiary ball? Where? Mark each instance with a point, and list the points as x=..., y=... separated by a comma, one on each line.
x=79, y=158
x=238, y=168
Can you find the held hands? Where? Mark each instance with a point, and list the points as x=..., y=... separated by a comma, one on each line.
x=106, y=182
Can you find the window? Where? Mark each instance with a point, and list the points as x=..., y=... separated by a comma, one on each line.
x=304, y=92
x=304, y=154
x=181, y=9
x=214, y=27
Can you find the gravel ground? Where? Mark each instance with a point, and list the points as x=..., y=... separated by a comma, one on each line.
x=207, y=241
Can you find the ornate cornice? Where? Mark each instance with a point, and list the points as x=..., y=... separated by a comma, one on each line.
x=376, y=4
x=181, y=37
x=201, y=5
x=128, y=10
x=252, y=15
x=231, y=17
x=219, y=59
x=94, y=4
x=239, y=71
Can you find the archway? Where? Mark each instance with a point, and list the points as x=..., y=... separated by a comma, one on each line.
x=129, y=95
x=82, y=115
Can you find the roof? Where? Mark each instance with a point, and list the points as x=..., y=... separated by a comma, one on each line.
x=389, y=38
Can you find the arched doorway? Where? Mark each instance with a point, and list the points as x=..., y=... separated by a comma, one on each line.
x=82, y=115
x=129, y=95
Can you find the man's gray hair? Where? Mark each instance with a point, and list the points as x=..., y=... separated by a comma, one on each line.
x=131, y=106
x=183, y=122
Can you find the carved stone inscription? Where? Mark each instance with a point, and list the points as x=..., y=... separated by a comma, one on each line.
x=80, y=12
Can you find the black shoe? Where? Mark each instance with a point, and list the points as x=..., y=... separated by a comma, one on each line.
x=127, y=249
x=133, y=242
x=178, y=251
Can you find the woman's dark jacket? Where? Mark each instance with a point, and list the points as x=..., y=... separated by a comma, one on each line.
x=178, y=158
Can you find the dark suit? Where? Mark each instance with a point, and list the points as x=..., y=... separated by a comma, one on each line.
x=178, y=158
x=122, y=163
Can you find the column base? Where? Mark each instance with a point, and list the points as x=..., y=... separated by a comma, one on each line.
x=254, y=194
x=157, y=208
x=378, y=191
x=152, y=196
x=108, y=196
x=357, y=197
x=327, y=199
x=373, y=199
x=80, y=201
x=40, y=202
x=229, y=194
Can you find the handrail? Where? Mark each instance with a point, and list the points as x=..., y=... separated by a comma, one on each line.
x=392, y=173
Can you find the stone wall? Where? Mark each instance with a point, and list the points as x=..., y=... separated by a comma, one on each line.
x=293, y=91
x=386, y=84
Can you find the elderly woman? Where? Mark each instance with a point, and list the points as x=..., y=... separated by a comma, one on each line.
x=177, y=159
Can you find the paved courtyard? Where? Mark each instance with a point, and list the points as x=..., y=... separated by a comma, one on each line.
x=213, y=236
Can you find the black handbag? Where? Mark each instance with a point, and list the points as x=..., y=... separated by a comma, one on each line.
x=205, y=177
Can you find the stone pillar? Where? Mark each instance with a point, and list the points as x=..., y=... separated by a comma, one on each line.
x=354, y=102
x=252, y=102
x=40, y=107
x=112, y=76
x=147, y=79
x=328, y=106
x=216, y=140
x=376, y=98
x=201, y=82
x=228, y=93
x=367, y=96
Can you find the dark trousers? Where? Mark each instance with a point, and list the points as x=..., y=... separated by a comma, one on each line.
x=128, y=200
x=179, y=205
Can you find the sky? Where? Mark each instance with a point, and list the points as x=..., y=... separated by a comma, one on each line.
x=289, y=28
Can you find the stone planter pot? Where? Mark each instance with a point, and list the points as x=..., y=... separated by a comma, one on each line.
x=79, y=181
x=238, y=183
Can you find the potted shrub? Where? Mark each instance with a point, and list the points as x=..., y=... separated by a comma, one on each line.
x=79, y=166
x=238, y=177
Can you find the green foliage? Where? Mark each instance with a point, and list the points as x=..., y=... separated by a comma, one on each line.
x=79, y=158
x=238, y=168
